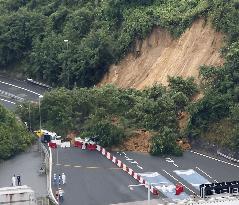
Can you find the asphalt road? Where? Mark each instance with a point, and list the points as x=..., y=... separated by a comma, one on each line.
x=92, y=179
x=213, y=170
x=23, y=89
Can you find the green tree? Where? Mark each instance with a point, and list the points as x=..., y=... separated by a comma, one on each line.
x=17, y=32
x=165, y=143
x=14, y=137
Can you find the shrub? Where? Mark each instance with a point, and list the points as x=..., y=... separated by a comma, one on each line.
x=165, y=143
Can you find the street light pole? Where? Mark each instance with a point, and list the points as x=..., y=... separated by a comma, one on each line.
x=40, y=97
x=68, y=71
x=29, y=116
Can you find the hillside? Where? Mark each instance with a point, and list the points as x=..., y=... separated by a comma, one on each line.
x=161, y=56
x=73, y=44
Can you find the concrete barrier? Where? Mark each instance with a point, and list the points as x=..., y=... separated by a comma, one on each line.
x=48, y=155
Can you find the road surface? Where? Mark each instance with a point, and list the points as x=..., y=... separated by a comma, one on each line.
x=92, y=179
x=27, y=165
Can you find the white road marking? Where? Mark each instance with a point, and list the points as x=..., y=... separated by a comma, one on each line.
x=134, y=162
x=139, y=167
x=216, y=181
x=215, y=159
x=171, y=161
x=179, y=182
x=7, y=101
x=30, y=91
x=204, y=172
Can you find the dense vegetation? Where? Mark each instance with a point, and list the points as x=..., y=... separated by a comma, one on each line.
x=111, y=113
x=218, y=110
x=14, y=137
x=99, y=33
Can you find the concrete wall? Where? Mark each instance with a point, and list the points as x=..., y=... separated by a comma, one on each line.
x=19, y=195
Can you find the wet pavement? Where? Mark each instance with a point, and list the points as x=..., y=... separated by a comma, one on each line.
x=27, y=165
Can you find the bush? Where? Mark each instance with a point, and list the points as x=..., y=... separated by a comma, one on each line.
x=165, y=143
x=186, y=86
x=14, y=137
x=108, y=133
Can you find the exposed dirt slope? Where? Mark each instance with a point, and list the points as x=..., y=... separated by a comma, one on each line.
x=160, y=55
x=139, y=142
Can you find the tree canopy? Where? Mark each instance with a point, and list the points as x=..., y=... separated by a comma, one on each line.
x=14, y=137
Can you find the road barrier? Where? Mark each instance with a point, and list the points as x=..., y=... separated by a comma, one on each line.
x=125, y=168
x=48, y=155
x=38, y=83
x=4, y=93
x=227, y=157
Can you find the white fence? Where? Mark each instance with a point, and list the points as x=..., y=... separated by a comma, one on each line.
x=48, y=155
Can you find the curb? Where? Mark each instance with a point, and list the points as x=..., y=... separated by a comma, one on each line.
x=51, y=195
x=125, y=168
x=38, y=83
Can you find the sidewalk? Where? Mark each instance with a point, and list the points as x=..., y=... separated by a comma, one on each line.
x=27, y=165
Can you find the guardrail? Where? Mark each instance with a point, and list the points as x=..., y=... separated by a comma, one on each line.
x=2, y=92
x=48, y=154
x=38, y=83
x=227, y=157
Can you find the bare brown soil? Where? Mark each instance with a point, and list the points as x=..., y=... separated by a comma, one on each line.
x=139, y=142
x=160, y=56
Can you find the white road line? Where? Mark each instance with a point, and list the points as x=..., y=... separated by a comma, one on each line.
x=216, y=181
x=171, y=161
x=20, y=88
x=139, y=167
x=215, y=159
x=179, y=182
x=204, y=172
x=7, y=101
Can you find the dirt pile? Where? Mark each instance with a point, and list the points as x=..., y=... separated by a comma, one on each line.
x=160, y=56
x=138, y=141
